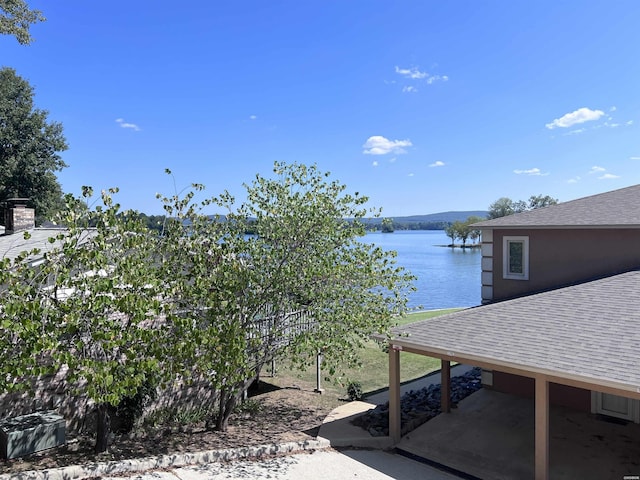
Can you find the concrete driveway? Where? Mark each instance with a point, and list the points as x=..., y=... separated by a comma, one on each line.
x=320, y=465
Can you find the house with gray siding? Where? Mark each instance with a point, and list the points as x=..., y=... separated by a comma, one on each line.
x=560, y=320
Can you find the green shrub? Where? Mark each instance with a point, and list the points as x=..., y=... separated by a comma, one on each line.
x=249, y=406
x=187, y=416
x=354, y=391
x=177, y=416
x=130, y=409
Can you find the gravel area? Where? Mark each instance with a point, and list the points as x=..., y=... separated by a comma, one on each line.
x=419, y=406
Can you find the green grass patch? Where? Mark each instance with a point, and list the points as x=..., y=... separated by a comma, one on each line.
x=374, y=373
x=418, y=316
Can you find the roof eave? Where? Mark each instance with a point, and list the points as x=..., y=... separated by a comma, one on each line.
x=557, y=227
x=566, y=378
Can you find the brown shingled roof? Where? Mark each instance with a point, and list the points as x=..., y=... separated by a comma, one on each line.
x=619, y=209
x=587, y=333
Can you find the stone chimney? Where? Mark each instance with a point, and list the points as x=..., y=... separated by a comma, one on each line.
x=17, y=217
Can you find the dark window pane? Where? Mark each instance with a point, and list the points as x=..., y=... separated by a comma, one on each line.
x=516, y=257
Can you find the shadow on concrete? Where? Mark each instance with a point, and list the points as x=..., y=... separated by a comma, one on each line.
x=399, y=467
x=491, y=435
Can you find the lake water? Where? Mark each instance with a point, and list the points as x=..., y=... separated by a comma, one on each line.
x=446, y=277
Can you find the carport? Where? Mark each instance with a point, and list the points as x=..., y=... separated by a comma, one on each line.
x=585, y=336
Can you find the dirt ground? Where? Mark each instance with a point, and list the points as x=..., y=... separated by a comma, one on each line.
x=285, y=412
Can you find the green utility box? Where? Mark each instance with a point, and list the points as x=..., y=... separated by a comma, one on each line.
x=26, y=434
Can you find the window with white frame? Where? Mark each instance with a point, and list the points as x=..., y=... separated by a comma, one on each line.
x=515, y=258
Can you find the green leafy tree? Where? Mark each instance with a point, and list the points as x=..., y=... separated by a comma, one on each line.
x=111, y=339
x=29, y=148
x=92, y=305
x=505, y=206
x=16, y=18
x=118, y=304
x=540, y=201
x=462, y=231
x=302, y=284
x=387, y=225
x=25, y=336
x=452, y=233
x=474, y=233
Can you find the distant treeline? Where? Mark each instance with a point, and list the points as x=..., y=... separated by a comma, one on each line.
x=433, y=221
x=438, y=221
x=156, y=222
x=394, y=225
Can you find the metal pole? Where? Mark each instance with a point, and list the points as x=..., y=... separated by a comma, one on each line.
x=319, y=388
x=395, y=411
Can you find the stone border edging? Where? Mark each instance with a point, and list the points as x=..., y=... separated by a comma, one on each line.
x=165, y=461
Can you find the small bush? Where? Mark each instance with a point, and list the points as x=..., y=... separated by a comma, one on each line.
x=159, y=417
x=187, y=416
x=354, y=391
x=177, y=416
x=130, y=409
x=248, y=406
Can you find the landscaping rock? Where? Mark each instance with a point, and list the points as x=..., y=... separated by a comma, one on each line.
x=419, y=406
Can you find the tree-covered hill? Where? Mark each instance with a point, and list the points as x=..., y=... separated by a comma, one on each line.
x=432, y=221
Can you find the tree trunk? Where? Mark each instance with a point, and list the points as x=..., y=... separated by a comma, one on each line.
x=221, y=422
x=104, y=428
x=228, y=402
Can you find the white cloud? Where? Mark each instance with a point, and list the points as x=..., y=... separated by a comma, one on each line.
x=392, y=160
x=634, y=158
x=577, y=131
x=596, y=169
x=630, y=122
x=410, y=175
x=409, y=89
x=531, y=171
x=375, y=163
x=573, y=180
x=573, y=118
x=414, y=73
x=437, y=164
x=435, y=78
x=613, y=109
x=608, y=176
x=379, y=145
x=124, y=124
x=253, y=117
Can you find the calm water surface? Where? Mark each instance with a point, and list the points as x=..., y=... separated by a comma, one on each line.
x=446, y=277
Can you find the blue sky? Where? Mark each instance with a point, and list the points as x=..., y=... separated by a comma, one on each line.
x=423, y=106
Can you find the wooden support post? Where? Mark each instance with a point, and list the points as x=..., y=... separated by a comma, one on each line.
x=395, y=414
x=542, y=429
x=445, y=386
x=273, y=367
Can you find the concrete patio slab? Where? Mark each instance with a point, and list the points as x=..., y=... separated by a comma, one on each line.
x=340, y=432
x=491, y=435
